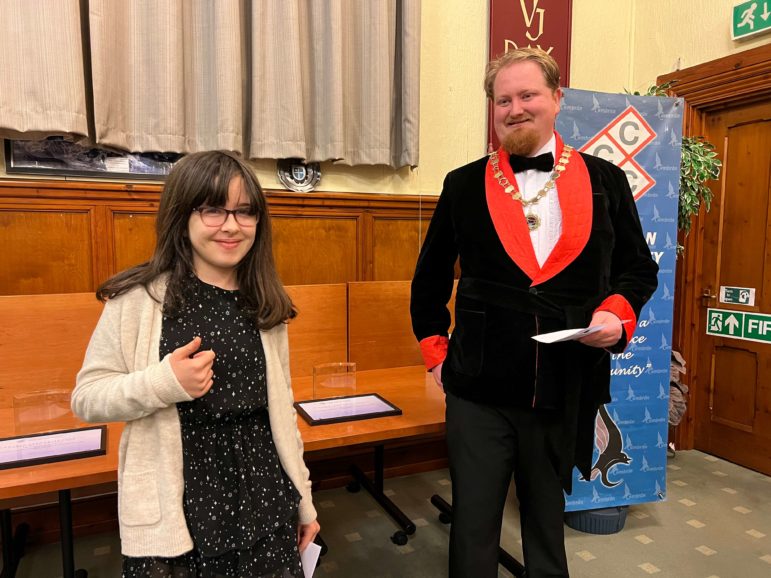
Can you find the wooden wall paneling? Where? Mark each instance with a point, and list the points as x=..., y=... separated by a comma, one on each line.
x=46, y=248
x=368, y=207
x=318, y=237
x=366, y=248
x=102, y=244
x=317, y=247
x=396, y=242
x=133, y=237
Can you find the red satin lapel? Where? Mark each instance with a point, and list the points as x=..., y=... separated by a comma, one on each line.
x=575, y=194
x=509, y=219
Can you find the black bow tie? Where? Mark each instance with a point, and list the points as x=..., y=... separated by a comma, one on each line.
x=544, y=162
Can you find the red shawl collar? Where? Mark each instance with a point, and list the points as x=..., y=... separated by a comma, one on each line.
x=575, y=196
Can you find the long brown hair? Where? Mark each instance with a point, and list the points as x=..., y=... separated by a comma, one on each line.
x=203, y=179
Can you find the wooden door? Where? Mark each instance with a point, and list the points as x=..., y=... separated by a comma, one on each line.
x=734, y=403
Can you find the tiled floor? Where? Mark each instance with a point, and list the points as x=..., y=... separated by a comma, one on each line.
x=716, y=523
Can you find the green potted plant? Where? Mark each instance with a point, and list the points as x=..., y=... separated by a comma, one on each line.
x=698, y=165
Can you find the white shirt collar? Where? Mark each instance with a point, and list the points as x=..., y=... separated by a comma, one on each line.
x=549, y=147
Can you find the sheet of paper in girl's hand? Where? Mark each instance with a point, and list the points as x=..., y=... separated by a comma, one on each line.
x=567, y=334
x=309, y=557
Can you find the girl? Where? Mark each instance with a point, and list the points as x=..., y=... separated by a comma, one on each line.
x=191, y=352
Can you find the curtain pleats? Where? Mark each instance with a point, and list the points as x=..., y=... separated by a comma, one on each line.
x=277, y=126
x=42, y=83
x=405, y=126
x=312, y=79
x=323, y=75
x=167, y=74
x=346, y=85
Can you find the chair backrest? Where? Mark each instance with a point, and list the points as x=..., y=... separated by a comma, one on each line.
x=379, y=325
x=43, y=339
x=319, y=332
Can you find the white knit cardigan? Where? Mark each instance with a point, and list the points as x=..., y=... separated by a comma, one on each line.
x=123, y=379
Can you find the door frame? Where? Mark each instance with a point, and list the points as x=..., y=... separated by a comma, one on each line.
x=730, y=81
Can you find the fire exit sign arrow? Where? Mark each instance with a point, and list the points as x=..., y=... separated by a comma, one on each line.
x=739, y=325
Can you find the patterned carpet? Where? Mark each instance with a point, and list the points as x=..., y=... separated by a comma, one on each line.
x=716, y=523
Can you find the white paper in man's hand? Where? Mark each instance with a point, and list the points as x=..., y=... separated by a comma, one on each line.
x=567, y=334
x=309, y=557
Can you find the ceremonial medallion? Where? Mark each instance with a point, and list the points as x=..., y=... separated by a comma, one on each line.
x=297, y=175
x=533, y=221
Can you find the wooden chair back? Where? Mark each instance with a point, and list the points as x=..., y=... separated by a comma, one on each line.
x=379, y=325
x=319, y=332
x=43, y=340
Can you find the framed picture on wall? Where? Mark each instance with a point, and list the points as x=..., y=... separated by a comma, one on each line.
x=57, y=156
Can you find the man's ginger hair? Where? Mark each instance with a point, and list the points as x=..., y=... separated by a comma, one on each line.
x=549, y=67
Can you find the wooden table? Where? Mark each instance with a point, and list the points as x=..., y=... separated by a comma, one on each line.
x=412, y=389
x=60, y=477
x=42, y=479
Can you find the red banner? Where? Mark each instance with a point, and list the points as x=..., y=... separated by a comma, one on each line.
x=541, y=24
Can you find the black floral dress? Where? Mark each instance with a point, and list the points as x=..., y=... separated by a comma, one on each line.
x=240, y=506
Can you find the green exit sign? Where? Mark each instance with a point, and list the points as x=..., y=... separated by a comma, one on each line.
x=739, y=325
x=749, y=18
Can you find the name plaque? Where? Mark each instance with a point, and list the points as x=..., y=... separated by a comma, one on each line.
x=346, y=408
x=55, y=446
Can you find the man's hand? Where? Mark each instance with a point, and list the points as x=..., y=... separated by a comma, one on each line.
x=608, y=335
x=436, y=371
x=193, y=373
x=306, y=533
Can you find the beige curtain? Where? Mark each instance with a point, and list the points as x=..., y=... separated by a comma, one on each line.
x=42, y=85
x=168, y=75
x=314, y=79
x=345, y=84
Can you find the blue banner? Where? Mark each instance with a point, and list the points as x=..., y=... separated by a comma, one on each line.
x=643, y=136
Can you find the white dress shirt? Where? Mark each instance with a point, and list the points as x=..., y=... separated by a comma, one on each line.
x=547, y=209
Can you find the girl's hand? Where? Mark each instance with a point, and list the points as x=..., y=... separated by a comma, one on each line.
x=193, y=373
x=306, y=533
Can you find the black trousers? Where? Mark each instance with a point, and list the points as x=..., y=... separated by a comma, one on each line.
x=486, y=444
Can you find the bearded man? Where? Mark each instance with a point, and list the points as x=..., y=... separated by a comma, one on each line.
x=548, y=239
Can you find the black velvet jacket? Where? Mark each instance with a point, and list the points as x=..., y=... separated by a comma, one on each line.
x=491, y=356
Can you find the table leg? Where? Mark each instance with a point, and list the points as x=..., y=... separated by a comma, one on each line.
x=375, y=489
x=7, y=537
x=13, y=544
x=504, y=558
x=65, y=529
x=68, y=544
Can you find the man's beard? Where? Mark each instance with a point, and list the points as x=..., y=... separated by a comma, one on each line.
x=522, y=142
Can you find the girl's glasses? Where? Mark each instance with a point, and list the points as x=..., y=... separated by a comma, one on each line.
x=216, y=216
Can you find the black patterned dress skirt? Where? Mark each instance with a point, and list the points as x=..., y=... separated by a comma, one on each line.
x=240, y=506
